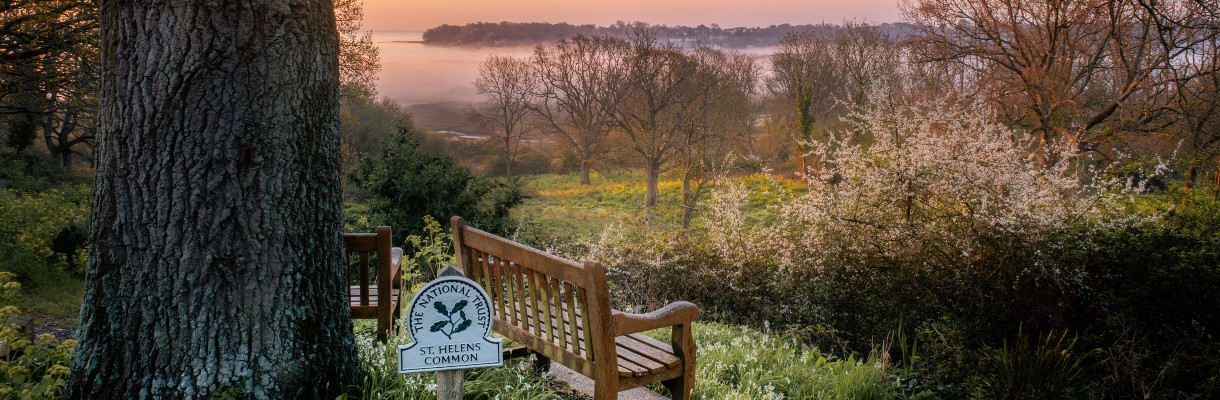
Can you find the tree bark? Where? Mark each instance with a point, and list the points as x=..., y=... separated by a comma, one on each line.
x=586, y=165
x=688, y=199
x=508, y=155
x=653, y=170
x=216, y=253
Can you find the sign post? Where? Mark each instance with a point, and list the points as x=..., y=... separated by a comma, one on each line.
x=450, y=324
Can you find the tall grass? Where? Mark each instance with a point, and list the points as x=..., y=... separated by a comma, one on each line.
x=1029, y=368
x=736, y=362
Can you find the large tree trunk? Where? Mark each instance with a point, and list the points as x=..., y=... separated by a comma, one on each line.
x=216, y=264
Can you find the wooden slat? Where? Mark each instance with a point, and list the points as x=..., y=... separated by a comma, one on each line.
x=573, y=326
x=519, y=335
x=557, y=304
x=513, y=297
x=364, y=278
x=535, y=294
x=628, y=367
x=522, y=295
x=544, y=292
x=583, y=296
x=360, y=241
x=494, y=280
x=665, y=358
x=484, y=274
x=534, y=259
x=354, y=292
x=500, y=283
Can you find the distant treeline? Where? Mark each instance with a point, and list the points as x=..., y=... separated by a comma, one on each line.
x=530, y=33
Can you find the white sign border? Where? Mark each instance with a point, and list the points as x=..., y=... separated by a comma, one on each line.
x=479, y=291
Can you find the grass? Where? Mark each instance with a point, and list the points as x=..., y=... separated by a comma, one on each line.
x=736, y=362
x=379, y=362
x=560, y=209
x=55, y=305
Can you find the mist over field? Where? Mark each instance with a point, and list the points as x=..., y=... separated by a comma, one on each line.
x=413, y=73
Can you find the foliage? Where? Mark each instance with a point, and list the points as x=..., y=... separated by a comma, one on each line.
x=29, y=369
x=43, y=233
x=30, y=172
x=48, y=75
x=379, y=363
x=1049, y=369
x=430, y=252
x=359, y=58
x=737, y=362
x=933, y=216
x=409, y=183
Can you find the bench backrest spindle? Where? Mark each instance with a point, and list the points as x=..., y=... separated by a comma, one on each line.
x=543, y=297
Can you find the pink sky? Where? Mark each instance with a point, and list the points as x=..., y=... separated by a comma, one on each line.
x=417, y=15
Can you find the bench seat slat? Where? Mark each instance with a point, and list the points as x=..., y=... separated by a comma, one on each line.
x=372, y=298
x=656, y=351
x=631, y=363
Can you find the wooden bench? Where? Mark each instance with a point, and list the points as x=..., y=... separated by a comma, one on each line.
x=560, y=310
x=375, y=258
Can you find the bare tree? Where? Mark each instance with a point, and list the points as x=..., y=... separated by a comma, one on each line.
x=48, y=79
x=865, y=57
x=717, y=118
x=1086, y=71
x=509, y=84
x=656, y=83
x=1195, y=115
x=803, y=78
x=574, y=85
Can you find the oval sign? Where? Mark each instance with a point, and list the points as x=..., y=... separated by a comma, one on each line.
x=450, y=324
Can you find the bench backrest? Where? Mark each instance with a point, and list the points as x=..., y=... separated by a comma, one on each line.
x=555, y=306
x=372, y=254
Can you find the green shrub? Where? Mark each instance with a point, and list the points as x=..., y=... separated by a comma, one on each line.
x=29, y=369
x=43, y=234
x=408, y=183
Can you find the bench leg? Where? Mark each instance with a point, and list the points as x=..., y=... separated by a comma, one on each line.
x=684, y=347
x=680, y=388
x=541, y=363
x=605, y=387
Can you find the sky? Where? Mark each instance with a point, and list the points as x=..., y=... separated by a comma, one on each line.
x=418, y=15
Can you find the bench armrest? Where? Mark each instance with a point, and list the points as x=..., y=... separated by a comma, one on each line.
x=676, y=313
x=396, y=265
